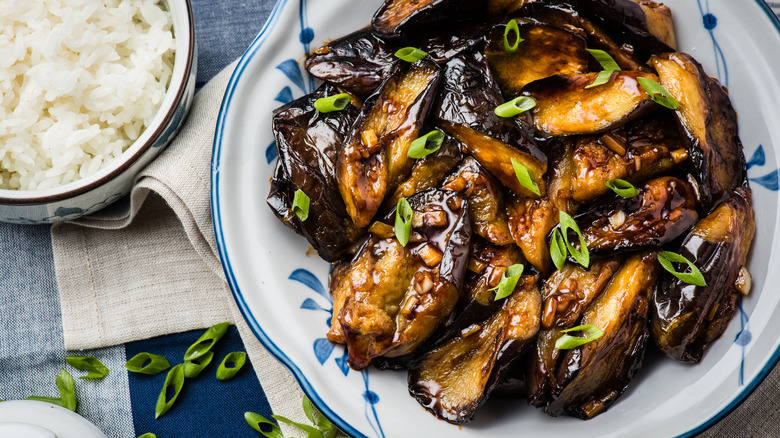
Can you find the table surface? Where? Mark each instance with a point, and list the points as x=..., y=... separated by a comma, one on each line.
x=122, y=404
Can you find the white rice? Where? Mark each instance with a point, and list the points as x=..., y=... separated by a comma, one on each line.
x=79, y=81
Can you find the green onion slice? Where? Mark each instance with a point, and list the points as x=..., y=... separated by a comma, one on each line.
x=602, y=78
x=694, y=277
x=606, y=61
x=524, y=177
x=403, y=221
x=231, y=364
x=582, y=255
x=300, y=205
x=207, y=340
x=88, y=363
x=659, y=93
x=567, y=341
x=558, y=249
x=410, y=54
x=147, y=363
x=148, y=435
x=192, y=368
x=175, y=380
x=426, y=145
x=268, y=428
x=329, y=104
x=513, y=29
x=516, y=106
x=53, y=400
x=622, y=188
x=508, y=281
x=67, y=388
x=311, y=431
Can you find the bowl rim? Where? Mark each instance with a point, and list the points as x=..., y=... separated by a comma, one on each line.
x=123, y=162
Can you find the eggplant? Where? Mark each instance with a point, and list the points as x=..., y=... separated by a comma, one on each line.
x=465, y=110
x=565, y=107
x=685, y=318
x=565, y=296
x=358, y=62
x=644, y=26
x=455, y=378
x=374, y=159
x=545, y=51
x=591, y=377
x=450, y=42
x=397, y=296
x=709, y=123
x=641, y=150
x=405, y=16
x=308, y=143
x=664, y=209
x=486, y=200
x=428, y=172
x=501, y=8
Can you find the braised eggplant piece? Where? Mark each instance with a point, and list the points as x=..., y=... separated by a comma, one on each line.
x=645, y=26
x=545, y=51
x=374, y=159
x=591, y=377
x=565, y=296
x=466, y=104
x=308, y=143
x=358, y=62
x=685, y=318
x=641, y=150
x=399, y=16
x=501, y=8
x=710, y=124
x=565, y=107
x=428, y=172
x=455, y=378
x=486, y=200
x=397, y=296
x=449, y=42
x=664, y=209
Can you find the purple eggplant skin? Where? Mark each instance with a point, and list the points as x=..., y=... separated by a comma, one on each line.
x=664, y=209
x=358, y=62
x=685, y=318
x=397, y=17
x=591, y=377
x=308, y=143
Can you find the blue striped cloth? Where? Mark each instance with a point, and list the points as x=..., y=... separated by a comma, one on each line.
x=122, y=404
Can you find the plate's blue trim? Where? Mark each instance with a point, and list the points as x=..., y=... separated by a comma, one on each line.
x=273, y=348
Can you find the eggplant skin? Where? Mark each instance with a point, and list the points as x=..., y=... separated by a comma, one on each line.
x=709, y=123
x=591, y=377
x=664, y=209
x=455, y=378
x=374, y=161
x=358, y=62
x=392, y=298
x=685, y=318
x=402, y=16
x=308, y=143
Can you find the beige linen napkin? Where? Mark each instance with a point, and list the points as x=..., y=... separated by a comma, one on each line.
x=147, y=266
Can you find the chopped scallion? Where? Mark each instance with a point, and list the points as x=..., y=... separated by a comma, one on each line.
x=410, y=54
x=329, y=104
x=558, y=249
x=622, y=188
x=524, y=177
x=192, y=368
x=231, y=365
x=175, y=380
x=300, y=205
x=147, y=363
x=67, y=388
x=426, y=145
x=581, y=255
x=96, y=368
x=207, y=340
x=403, y=221
x=508, y=281
x=567, y=341
x=268, y=428
x=658, y=93
x=515, y=106
x=512, y=30
x=694, y=277
x=607, y=63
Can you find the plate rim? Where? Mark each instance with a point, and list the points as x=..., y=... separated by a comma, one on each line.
x=277, y=352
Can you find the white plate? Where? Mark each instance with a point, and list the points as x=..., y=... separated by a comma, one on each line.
x=280, y=288
x=36, y=419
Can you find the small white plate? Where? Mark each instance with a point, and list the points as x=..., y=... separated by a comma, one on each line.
x=35, y=419
x=281, y=291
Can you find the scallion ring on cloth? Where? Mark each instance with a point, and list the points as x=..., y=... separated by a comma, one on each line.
x=204, y=344
x=524, y=177
x=567, y=341
x=581, y=255
x=403, y=221
x=53, y=400
x=300, y=205
x=175, y=380
x=508, y=281
x=268, y=428
x=231, y=364
x=659, y=93
x=622, y=188
x=426, y=145
x=410, y=54
x=192, y=368
x=516, y=106
x=96, y=368
x=329, y=104
x=147, y=363
x=67, y=388
x=148, y=435
x=694, y=277
x=512, y=29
